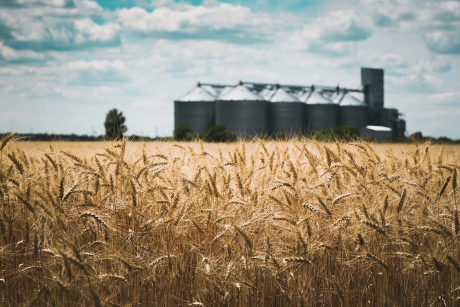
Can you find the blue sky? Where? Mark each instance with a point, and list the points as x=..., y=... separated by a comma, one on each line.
x=65, y=63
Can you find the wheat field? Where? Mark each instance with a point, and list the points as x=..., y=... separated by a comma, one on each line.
x=244, y=224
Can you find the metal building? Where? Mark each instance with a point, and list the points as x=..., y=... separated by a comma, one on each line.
x=320, y=112
x=243, y=112
x=372, y=80
x=251, y=108
x=285, y=113
x=195, y=109
x=376, y=132
x=353, y=112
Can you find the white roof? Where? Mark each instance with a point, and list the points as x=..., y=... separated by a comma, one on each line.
x=349, y=100
x=336, y=97
x=225, y=90
x=378, y=128
x=317, y=98
x=267, y=93
x=303, y=96
x=282, y=96
x=240, y=93
x=210, y=90
x=197, y=94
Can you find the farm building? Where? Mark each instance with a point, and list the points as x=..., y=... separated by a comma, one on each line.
x=251, y=109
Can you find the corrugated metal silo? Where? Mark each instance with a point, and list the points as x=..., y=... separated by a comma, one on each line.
x=353, y=112
x=195, y=109
x=267, y=93
x=243, y=112
x=320, y=112
x=285, y=113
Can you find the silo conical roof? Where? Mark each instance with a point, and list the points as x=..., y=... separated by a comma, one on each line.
x=281, y=96
x=197, y=94
x=241, y=93
x=267, y=94
x=336, y=97
x=317, y=98
x=303, y=96
x=349, y=100
x=225, y=91
x=211, y=90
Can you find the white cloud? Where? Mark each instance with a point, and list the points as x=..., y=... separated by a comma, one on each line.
x=444, y=42
x=391, y=60
x=438, y=64
x=97, y=72
x=438, y=22
x=446, y=99
x=392, y=13
x=333, y=33
x=11, y=55
x=38, y=89
x=219, y=21
x=35, y=3
x=415, y=82
x=58, y=34
x=41, y=25
x=442, y=12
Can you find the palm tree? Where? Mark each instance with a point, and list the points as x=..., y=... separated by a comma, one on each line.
x=114, y=125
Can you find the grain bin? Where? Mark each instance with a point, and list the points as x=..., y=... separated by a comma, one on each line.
x=195, y=109
x=225, y=91
x=285, y=113
x=303, y=95
x=267, y=93
x=320, y=112
x=352, y=111
x=243, y=112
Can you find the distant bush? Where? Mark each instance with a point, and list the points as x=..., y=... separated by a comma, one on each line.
x=184, y=133
x=219, y=133
x=343, y=133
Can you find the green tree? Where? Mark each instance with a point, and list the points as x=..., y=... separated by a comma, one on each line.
x=114, y=125
x=219, y=133
x=184, y=133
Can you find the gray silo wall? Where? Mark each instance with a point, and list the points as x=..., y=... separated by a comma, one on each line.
x=320, y=116
x=353, y=115
x=246, y=118
x=287, y=118
x=200, y=115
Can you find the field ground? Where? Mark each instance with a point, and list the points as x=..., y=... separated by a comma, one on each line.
x=243, y=224
x=134, y=149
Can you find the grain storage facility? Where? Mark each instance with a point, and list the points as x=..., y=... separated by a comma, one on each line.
x=243, y=112
x=252, y=109
x=379, y=133
x=320, y=112
x=353, y=112
x=195, y=109
x=285, y=113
